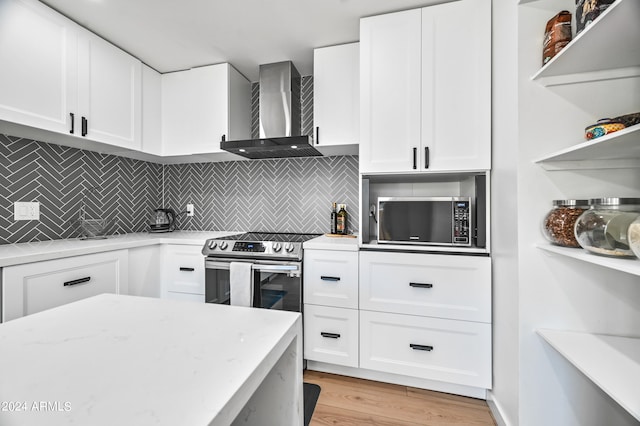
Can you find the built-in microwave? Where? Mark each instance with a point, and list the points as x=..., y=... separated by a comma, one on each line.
x=442, y=221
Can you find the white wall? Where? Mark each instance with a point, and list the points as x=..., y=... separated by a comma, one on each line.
x=504, y=217
x=557, y=292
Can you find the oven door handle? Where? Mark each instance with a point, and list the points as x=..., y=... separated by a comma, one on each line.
x=210, y=264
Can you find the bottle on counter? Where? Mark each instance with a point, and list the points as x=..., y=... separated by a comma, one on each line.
x=341, y=220
x=334, y=219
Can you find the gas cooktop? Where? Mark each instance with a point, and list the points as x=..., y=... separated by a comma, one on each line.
x=269, y=245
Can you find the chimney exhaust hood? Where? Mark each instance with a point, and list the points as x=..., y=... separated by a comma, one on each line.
x=279, y=117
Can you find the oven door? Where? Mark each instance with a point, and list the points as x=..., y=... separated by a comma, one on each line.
x=276, y=285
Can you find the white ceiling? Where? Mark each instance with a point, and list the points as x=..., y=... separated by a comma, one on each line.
x=172, y=35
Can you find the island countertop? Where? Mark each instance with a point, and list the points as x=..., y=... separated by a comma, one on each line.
x=114, y=359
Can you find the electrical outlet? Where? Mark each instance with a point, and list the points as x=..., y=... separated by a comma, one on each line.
x=190, y=210
x=26, y=210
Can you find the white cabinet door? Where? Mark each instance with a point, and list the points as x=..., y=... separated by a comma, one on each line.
x=445, y=286
x=151, y=111
x=456, y=86
x=336, y=94
x=182, y=270
x=38, y=71
x=200, y=106
x=34, y=287
x=390, y=52
x=331, y=278
x=451, y=351
x=145, y=272
x=331, y=335
x=110, y=85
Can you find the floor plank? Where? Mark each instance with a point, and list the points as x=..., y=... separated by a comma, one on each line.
x=350, y=401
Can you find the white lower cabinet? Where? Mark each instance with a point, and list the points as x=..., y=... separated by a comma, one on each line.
x=331, y=278
x=435, y=285
x=35, y=287
x=331, y=335
x=183, y=272
x=430, y=348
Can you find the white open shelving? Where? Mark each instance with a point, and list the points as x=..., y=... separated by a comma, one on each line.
x=615, y=150
x=601, y=51
x=627, y=265
x=611, y=362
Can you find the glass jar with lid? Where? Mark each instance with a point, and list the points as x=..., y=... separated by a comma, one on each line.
x=634, y=236
x=558, y=224
x=604, y=227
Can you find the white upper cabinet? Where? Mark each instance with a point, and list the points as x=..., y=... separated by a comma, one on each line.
x=202, y=105
x=110, y=87
x=38, y=71
x=151, y=111
x=336, y=99
x=426, y=89
x=59, y=77
x=390, y=50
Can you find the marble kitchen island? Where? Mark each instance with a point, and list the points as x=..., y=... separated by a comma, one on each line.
x=125, y=360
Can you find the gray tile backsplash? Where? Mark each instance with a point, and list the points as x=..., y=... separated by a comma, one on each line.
x=278, y=195
x=126, y=190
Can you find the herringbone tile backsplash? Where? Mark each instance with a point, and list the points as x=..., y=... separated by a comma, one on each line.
x=116, y=188
x=284, y=195
x=279, y=195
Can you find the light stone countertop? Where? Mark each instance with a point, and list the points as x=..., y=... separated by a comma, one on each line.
x=15, y=254
x=325, y=242
x=126, y=360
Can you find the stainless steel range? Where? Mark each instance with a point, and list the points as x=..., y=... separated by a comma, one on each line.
x=275, y=268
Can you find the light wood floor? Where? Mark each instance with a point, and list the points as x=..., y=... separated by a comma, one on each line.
x=347, y=401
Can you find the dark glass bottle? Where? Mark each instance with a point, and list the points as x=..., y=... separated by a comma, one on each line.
x=334, y=219
x=341, y=222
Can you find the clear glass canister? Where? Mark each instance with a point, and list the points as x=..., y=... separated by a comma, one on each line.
x=634, y=236
x=558, y=224
x=604, y=227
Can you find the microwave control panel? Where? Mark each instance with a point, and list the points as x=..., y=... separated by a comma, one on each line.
x=461, y=223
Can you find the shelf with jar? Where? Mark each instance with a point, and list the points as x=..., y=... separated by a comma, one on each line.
x=600, y=51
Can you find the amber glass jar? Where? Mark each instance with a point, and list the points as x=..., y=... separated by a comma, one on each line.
x=558, y=224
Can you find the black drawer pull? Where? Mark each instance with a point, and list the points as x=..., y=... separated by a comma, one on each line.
x=327, y=278
x=416, y=347
x=78, y=281
x=330, y=335
x=185, y=269
x=421, y=285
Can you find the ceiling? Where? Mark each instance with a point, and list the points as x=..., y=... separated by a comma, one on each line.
x=171, y=35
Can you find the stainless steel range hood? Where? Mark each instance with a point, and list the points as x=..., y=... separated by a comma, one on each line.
x=279, y=117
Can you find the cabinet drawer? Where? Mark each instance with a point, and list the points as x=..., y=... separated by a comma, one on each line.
x=446, y=350
x=331, y=278
x=34, y=287
x=331, y=335
x=183, y=269
x=443, y=286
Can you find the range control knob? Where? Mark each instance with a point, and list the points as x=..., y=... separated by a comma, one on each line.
x=212, y=245
x=277, y=247
x=288, y=247
x=223, y=245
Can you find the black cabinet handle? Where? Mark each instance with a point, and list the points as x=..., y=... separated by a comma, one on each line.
x=73, y=122
x=417, y=347
x=84, y=126
x=317, y=135
x=421, y=285
x=330, y=335
x=185, y=269
x=415, y=158
x=426, y=157
x=224, y=138
x=326, y=278
x=78, y=281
